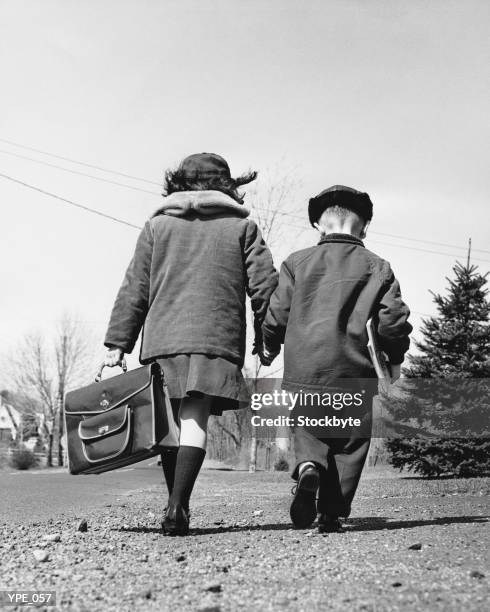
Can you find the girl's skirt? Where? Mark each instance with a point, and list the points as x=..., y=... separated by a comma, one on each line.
x=195, y=374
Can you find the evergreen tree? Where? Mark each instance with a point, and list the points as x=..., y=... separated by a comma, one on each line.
x=457, y=341
x=447, y=391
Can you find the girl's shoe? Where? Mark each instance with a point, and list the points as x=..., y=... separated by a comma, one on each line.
x=303, y=507
x=175, y=521
x=329, y=524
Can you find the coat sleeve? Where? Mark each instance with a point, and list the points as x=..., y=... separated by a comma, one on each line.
x=261, y=276
x=276, y=319
x=393, y=326
x=131, y=305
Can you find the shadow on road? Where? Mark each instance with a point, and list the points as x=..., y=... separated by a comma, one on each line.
x=356, y=524
x=380, y=522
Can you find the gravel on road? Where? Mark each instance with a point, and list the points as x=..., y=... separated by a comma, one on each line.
x=410, y=544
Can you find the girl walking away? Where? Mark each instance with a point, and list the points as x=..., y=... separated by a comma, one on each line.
x=195, y=261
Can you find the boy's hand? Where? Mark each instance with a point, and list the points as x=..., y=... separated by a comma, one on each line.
x=395, y=372
x=267, y=357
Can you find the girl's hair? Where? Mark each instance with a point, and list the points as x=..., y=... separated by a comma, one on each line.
x=177, y=180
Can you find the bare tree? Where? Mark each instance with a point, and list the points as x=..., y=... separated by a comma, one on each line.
x=271, y=201
x=30, y=374
x=71, y=352
x=45, y=370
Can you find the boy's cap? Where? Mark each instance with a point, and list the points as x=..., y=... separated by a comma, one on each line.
x=205, y=165
x=340, y=195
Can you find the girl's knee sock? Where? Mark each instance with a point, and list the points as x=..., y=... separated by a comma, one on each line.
x=188, y=465
x=169, y=460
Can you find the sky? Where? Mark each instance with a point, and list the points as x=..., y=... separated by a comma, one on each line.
x=390, y=97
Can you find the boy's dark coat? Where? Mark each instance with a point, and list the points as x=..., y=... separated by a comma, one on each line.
x=320, y=308
x=186, y=286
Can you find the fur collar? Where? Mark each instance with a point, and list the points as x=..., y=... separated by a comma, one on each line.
x=210, y=202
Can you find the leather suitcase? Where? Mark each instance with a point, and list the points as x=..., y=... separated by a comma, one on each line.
x=119, y=421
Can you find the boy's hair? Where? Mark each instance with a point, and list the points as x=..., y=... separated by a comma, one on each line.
x=179, y=180
x=341, y=213
x=343, y=197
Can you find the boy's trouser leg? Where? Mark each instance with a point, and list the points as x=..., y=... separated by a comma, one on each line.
x=307, y=449
x=338, y=483
x=340, y=461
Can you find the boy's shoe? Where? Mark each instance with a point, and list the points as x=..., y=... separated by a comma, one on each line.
x=329, y=524
x=303, y=508
x=175, y=521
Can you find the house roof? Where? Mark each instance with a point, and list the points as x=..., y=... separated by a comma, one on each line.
x=9, y=416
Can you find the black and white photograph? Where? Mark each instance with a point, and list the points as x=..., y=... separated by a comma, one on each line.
x=244, y=306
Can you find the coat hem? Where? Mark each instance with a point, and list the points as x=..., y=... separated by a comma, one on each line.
x=216, y=351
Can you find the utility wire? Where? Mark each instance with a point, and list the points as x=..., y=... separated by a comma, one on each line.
x=96, y=178
x=123, y=222
x=130, y=176
x=444, y=244
x=74, y=161
x=403, y=246
x=398, y=236
x=257, y=207
x=81, y=206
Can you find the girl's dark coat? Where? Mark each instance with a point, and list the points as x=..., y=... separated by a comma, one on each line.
x=186, y=287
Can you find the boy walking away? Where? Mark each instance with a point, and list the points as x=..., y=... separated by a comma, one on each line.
x=319, y=310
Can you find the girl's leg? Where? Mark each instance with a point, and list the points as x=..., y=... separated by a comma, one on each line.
x=194, y=414
x=169, y=459
x=169, y=456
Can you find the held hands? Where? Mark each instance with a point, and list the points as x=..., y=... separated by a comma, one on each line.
x=266, y=356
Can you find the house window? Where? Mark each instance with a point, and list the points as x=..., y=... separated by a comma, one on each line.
x=5, y=434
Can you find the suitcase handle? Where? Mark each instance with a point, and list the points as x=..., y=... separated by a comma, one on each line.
x=98, y=376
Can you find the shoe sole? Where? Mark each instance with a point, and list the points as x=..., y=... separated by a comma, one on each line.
x=170, y=529
x=330, y=529
x=303, y=508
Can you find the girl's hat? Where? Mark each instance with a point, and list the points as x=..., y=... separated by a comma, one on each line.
x=205, y=165
x=210, y=165
x=339, y=195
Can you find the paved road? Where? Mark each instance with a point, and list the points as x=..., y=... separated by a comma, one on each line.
x=44, y=494
x=410, y=545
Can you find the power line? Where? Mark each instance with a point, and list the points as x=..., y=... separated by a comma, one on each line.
x=404, y=246
x=61, y=199
x=401, y=246
x=123, y=222
x=74, y=161
x=131, y=176
x=96, y=178
x=444, y=244
x=398, y=236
